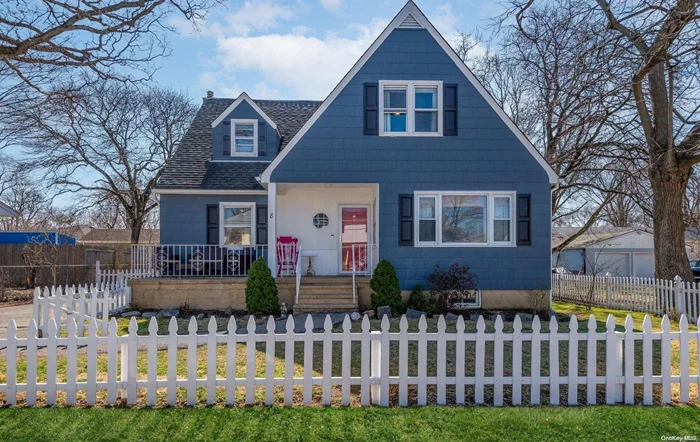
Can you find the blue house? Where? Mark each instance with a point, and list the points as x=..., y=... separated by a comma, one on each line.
x=409, y=159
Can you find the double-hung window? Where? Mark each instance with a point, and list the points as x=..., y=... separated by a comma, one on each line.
x=410, y=108
x=462, y=219
x=244, y=138
x=237, y=224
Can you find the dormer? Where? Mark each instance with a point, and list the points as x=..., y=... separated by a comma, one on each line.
x=244, y=132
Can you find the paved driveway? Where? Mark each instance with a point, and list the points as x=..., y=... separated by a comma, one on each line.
x=20, y=313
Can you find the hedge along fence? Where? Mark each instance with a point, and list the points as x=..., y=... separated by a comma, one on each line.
x=387, y=368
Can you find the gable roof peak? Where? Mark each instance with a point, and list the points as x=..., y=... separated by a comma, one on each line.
x=241, y=98
x=410, y=8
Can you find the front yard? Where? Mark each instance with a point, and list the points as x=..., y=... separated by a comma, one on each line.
x=618, y=423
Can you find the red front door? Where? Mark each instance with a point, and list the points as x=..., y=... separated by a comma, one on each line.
x=354, y=231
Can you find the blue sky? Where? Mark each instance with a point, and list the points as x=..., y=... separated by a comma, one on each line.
x=292, y=49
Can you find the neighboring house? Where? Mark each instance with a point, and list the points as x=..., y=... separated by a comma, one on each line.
x=408, y=159
x=119, y=237
x=16, y=237
x=620, y=251
x=7, y=211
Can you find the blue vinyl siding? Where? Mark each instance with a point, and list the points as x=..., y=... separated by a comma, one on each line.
x=183, y=217
x=244, y=111
x=485, y=155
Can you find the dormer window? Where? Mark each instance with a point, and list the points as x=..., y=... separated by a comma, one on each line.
x=410, y=108
x=244, y=134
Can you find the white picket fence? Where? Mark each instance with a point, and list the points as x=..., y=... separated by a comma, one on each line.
x=657, y=296
x=606, y=359
x=118, y=278
x=80, y=304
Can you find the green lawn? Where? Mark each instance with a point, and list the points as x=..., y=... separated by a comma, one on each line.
x=349, y=424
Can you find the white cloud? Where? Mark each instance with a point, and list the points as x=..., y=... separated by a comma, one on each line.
x=331, y=5
x=256, y=16
x=301, y=66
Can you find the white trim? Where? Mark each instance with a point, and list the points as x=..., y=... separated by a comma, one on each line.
x=412, y=9
x=410, y=86
x=240, y=161
x=253, y=224
x=234, y=153
x=241, y=98
x=208, y=192
x=438, y=194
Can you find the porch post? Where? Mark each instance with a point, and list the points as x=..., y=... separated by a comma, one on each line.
x=272, y=227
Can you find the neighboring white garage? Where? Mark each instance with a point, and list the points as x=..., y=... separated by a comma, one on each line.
x=643, y=265
x=621, y=251
x=617, y=264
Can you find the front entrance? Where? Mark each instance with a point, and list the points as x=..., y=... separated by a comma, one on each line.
x=354, y=231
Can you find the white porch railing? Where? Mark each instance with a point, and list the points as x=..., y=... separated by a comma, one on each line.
x=298, y=275
x=195, y=260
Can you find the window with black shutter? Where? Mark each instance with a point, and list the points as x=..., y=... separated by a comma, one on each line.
x=406, y=219
x=261, y=224
x=212, y=224
x=524, y=227
x=262, y=150
x=449, y=109
x=371, y=109
x=227, y=138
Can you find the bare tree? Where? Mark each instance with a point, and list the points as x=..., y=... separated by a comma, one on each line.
x=28, y=199
x=108, y=143
x=45, y=41
x=546, y=75
x=658, y=41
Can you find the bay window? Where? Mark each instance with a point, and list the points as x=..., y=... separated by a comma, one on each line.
x=463, y=219
x=410, y=108
x=237, y=224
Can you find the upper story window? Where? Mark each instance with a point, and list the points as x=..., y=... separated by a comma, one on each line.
x=464, y=218
x=244, y=136
x=410, y=108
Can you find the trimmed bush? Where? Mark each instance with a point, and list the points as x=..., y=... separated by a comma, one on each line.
x=419, y=300
x=385, y=287
x=261, y=296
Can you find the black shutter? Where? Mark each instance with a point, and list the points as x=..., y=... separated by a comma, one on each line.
x=227, y=138
x=262, y=149
x=371, y=112
x=406, y=219
x=212, y=224
x=261, y=224
x=524, y=227
x=449, y=109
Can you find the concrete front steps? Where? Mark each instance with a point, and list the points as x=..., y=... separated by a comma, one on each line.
x=325, y=294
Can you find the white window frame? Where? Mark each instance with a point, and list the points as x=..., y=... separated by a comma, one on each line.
x=222, y=226
x=410, y=107
x=438, y=214
x=233, y=138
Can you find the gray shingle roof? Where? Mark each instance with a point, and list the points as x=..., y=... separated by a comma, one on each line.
x=191, y=166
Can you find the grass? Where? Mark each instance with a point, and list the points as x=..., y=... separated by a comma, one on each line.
x=372, y=424
x=562, y=308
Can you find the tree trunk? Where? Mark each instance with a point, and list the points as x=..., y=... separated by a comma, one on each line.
x=136, y=224
x=668, y=184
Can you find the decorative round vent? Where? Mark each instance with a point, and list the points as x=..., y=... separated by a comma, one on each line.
x=321, y=220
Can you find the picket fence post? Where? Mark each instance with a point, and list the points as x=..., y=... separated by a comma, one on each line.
x=680, y=304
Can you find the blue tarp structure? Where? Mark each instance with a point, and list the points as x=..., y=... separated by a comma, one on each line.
x=9, y=237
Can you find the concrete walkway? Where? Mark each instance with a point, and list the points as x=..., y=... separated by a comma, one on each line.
x=22, y=314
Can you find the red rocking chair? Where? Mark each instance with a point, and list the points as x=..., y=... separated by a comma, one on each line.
x=287, y=254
